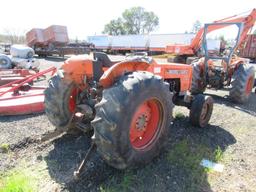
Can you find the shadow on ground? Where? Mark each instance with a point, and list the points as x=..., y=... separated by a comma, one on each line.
x=176, y=169
x=249, y=107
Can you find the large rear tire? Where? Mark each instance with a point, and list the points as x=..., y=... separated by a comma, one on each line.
x=132, y=120
x=60, y=102
x=197, y=86
x=242, y=83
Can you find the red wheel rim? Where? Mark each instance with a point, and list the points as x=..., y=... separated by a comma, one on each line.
x=72, y=100
x=205, y=111
x=146, y=124
x=249, y=85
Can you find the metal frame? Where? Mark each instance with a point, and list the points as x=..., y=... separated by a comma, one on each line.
x=227, y=59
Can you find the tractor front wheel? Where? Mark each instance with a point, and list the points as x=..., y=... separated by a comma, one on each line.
x=201, y=110
x=132, y=120
x=197, y=86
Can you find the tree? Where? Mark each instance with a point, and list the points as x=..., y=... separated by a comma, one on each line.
x=14, y=36
x=133, y=21
x=115, y=27
x=196, y=26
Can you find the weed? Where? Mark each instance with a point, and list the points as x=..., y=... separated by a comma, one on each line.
x=20, y=181
x=5, y=147
x=125, y=184
x=218, y=154
x=179, y=116
x=127, y=181
x=187, y=156
x=103, y=189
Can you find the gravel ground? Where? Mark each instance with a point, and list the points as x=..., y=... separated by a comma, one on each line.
x=231, y=130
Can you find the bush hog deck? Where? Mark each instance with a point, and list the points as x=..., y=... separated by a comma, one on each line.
x=127, y=105
x=11, y=75
x=19, y=96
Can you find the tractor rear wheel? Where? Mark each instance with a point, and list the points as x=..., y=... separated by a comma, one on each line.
x=197, y=86
x=242, y=83
x=201, y=110
x=60, y=103
x=132, y=120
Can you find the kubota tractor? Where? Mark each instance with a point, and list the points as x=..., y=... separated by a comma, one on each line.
x=127, y=105
x=217, y=69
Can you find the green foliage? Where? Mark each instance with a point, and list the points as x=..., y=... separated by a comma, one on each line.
x=254, y=32
x=5, y=147
x=115, y=27
x=179, y=115
x=196, y=26
x=218, y=154
x=187, y=156
x=135, y=20
x=125, y=184
x=127, y=181
x=18, y=181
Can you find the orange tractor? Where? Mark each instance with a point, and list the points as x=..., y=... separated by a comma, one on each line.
x=127, y=105
x=187, y=53
x=224, y=69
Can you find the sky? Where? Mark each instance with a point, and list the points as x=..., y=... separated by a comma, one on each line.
x=84, y=18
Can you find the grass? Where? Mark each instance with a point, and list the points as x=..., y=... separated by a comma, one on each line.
x=18, y=181
x=124, y=185
x=179, y=115
x=218, y=154
x=24, y=178
x=187, y=156
x=190, y=155
x=5, y=147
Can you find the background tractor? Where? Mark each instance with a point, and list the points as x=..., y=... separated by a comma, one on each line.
x=223, y=68
x=187, y=53
x=127, y=105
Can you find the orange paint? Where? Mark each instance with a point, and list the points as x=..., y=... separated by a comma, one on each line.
x=76, y=68
x=120, y=69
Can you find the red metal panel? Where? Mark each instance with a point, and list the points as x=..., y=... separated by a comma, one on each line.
x=35, y=36
x=249, y=51
x=252, y=52
x=15, y=99
x=25, y=103
x=56, y=34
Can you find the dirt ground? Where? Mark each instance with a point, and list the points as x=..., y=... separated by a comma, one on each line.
x=228, y=139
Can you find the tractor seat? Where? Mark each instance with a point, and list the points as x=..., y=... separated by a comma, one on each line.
x=100, y=60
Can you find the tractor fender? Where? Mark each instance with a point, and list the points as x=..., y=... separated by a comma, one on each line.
x=119, y=69
x=235, y=63
x=77, y=68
